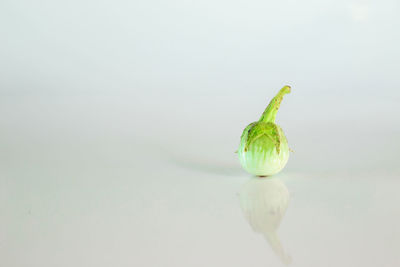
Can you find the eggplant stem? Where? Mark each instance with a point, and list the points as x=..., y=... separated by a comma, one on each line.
x=269, y=113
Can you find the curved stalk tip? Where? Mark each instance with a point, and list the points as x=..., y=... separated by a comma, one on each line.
x=269, y=113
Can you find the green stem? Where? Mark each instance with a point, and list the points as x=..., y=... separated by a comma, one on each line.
x=269, y=113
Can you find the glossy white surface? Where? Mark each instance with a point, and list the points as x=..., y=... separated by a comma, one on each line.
x=85, y=183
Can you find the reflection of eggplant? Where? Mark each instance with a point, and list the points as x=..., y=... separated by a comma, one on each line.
x=264, y=202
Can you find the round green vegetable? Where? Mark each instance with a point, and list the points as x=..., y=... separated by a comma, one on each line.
x=263, y=148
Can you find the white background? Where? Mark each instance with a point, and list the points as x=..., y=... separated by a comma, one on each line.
x=119, y=119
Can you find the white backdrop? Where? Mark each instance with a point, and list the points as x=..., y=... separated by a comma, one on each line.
x=119, y=119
